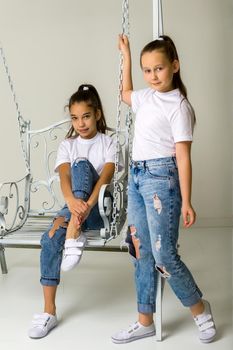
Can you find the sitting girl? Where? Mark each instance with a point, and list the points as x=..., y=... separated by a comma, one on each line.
x=85, y=161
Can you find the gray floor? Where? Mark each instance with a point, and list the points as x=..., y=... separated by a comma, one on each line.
x=98, y=298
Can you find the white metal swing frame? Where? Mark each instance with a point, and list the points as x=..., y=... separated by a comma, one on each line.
x=26, y=227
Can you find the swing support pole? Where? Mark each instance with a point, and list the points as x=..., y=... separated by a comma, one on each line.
x=157, y=31
x=157, y=19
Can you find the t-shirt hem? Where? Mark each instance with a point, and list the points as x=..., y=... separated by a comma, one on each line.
x=185, y=138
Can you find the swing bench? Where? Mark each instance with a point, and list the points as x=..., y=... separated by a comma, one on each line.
x=36, y=198
x=28, y=205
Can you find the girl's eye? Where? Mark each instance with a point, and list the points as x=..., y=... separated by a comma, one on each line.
x=159, y=69
x=147, y=71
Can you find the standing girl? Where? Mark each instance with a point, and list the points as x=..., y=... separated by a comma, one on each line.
x=160, y=186
x=85, y=161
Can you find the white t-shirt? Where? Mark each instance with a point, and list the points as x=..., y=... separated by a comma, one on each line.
x=162, y=119
x=99, y=150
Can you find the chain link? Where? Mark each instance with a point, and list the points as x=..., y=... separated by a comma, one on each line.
x=116, y=189
x=22, y=123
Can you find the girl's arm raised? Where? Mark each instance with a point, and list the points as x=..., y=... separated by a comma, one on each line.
x=183, y=150
x=127, y=84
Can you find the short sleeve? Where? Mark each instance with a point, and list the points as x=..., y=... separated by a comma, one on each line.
x=182, y=122
x=62, y=155
x=137, y=98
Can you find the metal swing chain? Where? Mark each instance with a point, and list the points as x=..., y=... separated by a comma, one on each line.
x=125, y=30
x=22, y=123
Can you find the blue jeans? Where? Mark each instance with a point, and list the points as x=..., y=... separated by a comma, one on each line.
x=154, y=207
x=83, y=178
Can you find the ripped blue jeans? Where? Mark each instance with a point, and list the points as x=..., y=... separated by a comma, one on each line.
x=83, y=178
x=154, y=208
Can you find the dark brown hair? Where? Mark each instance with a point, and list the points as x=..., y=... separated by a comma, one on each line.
x=88, y=93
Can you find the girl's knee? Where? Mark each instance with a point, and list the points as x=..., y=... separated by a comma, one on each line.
x=54, y=238
x=58, y=222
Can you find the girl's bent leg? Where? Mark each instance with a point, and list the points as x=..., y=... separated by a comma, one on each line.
x=140, y=249
x=139, y=243
x=52, y=243
x=163, y=204
x=84, y=178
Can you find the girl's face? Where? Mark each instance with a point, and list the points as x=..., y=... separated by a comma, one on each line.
x=84, y=119
x=158, y=70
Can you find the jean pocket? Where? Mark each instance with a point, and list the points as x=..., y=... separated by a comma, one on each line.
x=159, y=173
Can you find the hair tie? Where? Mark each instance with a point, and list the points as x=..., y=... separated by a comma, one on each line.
x=85, y=88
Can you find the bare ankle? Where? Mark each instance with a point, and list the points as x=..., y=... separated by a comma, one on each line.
x=72, y=233
x=50, y=310
x=145, y=319
x=197, y=309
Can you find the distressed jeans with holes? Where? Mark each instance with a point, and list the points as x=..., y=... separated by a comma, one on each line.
x=83, y=178
x=154, y=207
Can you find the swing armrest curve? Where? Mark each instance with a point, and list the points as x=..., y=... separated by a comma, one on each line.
x=105, y=208
x=14, y=204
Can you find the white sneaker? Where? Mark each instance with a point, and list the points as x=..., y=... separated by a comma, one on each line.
x=73, y=251
x=41, y=325
x=205, y=323
x=134, y=332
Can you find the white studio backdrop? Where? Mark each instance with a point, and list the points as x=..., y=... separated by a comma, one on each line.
x=53, y=46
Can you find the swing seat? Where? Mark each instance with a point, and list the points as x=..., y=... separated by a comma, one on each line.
x=28, y=206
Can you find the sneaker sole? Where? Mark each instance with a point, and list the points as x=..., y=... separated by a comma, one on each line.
x=116, y=341
x=206, y=341
x=45, y=334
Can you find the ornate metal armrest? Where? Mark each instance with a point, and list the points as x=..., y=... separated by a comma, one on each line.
x=105, y=209
x=14, y=203
x=3, y=211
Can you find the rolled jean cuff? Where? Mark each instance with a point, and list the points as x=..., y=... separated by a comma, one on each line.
x=49, y=281
x=146, y=308
x=193, y=299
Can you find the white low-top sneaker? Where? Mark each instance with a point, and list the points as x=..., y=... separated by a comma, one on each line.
x=134, y=332
x=41, y=325
x=205, y=324
x=73, y=251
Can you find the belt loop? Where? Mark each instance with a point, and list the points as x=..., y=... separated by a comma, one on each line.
x=144, y=164
x=174, y=160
